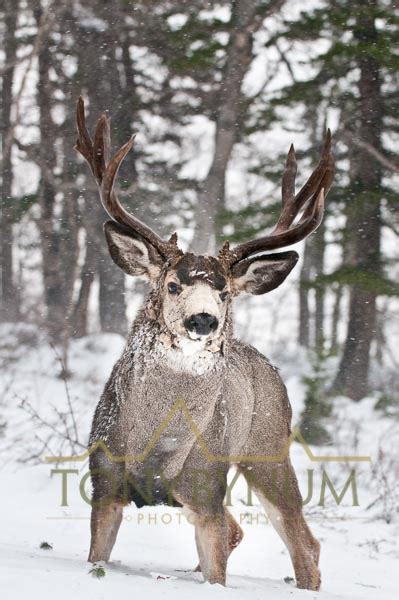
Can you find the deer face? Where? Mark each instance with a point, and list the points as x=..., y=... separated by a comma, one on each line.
x=195, y=292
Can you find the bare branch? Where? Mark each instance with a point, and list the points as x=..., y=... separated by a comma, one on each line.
x=285, y=61
x=64, y=375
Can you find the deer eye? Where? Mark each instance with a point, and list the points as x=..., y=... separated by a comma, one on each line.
x=223, y=296
x=173, y=288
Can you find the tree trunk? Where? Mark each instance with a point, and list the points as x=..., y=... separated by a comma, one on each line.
x=304, y=312
x=8, y=305
x=364, y=222
x=336, y=316
x=80, y=311
x=239, y=56
x=49, y=232
x=318, y=263
x=69, y=231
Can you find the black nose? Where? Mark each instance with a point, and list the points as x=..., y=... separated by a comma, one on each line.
x=201, y=323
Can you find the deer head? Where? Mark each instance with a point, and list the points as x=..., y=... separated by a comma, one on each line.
x=192, y=294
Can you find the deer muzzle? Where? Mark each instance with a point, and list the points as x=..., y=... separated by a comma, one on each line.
x=201, y=323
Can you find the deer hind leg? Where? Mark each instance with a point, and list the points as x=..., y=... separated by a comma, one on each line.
x=277, y=490
x=105, y=523
x=211, y=536
x=304, y=549
x=234, y=538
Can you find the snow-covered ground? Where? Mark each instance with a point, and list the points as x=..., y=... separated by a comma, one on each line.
x=155, y=549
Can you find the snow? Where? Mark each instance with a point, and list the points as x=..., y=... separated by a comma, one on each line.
x=155, y=550
x=357, y=557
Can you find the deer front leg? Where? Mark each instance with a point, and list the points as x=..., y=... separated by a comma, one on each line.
x=105, y=523
x=277, y=488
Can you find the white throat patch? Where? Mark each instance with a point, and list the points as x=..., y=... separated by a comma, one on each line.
x=190, y=347
x=188, y=356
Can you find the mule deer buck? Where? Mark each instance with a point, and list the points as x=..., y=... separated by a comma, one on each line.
x=181, y=346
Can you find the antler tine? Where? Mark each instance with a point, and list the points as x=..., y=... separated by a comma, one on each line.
x=288, y=192
x=83, y=145
x=105, y=170
x=324, y=185
x=101, y=146
x=313, y=183
x=289, y=176
x=311, y=197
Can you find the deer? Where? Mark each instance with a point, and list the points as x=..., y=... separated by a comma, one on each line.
x=181, y=346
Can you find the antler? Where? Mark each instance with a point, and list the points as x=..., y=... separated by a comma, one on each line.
x=105, y=169
x=310, y=198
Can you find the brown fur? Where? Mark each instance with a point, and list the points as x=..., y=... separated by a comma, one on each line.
x=236, y=400
x=105, y=523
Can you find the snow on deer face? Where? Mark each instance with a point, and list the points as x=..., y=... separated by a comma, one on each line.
x=196, y=295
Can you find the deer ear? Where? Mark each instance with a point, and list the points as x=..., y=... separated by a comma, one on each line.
x=263, y=273
x=133, y=255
